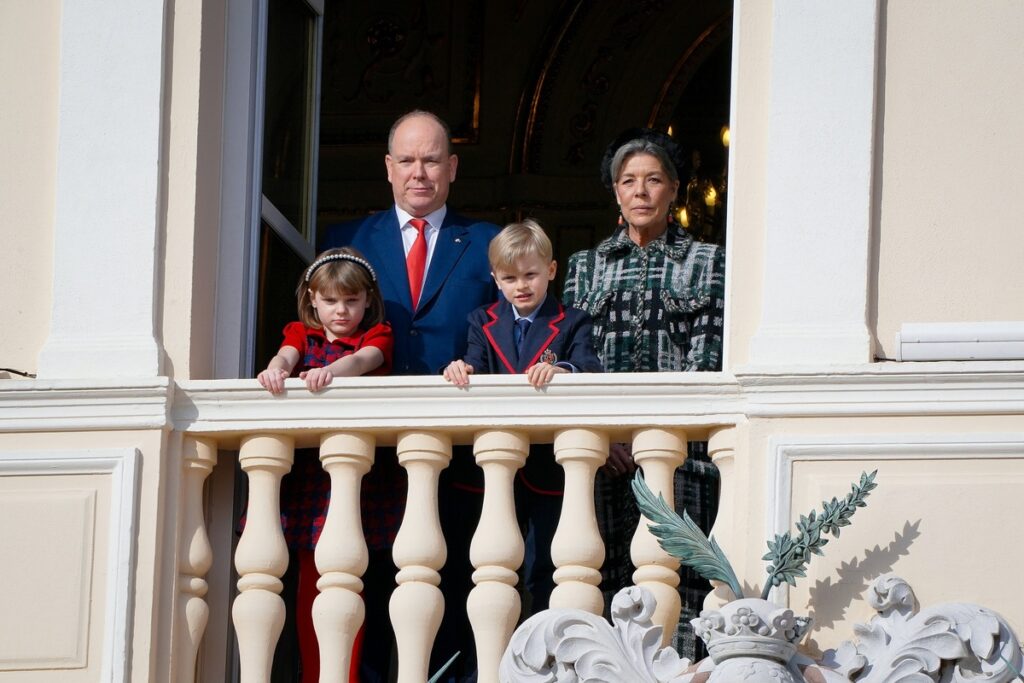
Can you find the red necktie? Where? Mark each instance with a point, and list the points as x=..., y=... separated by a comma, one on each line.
x=416, y=261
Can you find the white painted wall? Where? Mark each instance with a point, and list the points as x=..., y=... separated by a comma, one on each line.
x=950, y=244
x=107, y=219
x=29, y=61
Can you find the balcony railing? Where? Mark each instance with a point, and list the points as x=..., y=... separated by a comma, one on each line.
x=424, y=417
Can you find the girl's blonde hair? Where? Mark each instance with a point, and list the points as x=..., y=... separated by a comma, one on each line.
x=517, y=240
x=336, y=272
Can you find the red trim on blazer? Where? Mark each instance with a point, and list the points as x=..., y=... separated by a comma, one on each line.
x=552, y=325
x=490, y=337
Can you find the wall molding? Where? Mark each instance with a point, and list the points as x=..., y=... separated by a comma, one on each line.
x=79, y=405
x=696, y=401
x=785, y=451
x=884, y=389
x=122, y=466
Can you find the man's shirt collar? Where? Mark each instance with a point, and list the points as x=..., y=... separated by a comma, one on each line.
x=434, y=218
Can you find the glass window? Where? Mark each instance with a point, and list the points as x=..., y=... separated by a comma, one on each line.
x=289, y=112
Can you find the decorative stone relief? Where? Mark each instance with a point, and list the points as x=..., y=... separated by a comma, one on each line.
x=948, y=642
x=754, y=640
x=568, y=645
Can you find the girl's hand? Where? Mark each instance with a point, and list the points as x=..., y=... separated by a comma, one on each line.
x=541, y=373
x=272, y=379
x=458, y=373
x=316, y=378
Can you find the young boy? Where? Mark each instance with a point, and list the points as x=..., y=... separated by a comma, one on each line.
x=526, y=331
x=554, y=339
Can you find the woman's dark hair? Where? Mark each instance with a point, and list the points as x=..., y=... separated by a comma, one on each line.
x=672, y=151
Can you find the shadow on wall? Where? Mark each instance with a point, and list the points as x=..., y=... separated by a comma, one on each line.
x=830, y=600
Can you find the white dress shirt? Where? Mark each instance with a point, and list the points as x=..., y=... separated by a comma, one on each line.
x=430, y=231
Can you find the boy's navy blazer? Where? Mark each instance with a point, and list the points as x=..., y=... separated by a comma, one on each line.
x=458, y=281
x=564, y=331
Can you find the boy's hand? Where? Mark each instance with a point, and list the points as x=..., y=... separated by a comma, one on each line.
x=316, y=378
x=272, y=379
x=541, y=373
x=458, y=373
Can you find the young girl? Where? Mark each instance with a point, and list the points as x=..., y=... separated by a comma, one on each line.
x=340, y=333
x=341, y=330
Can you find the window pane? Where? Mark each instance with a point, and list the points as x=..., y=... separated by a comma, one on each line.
x=280, y=270
x=288, y=119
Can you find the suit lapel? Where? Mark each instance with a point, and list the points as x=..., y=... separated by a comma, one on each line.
x=545, y=328
x=387, y=254
x=499, y=333
x=452, y=240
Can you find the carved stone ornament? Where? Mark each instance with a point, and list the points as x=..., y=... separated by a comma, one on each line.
x=948, y=642
x=569, y=645
x=754, y=640
x=751, y=640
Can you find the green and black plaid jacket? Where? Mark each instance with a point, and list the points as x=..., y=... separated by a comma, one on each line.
x=658, y=308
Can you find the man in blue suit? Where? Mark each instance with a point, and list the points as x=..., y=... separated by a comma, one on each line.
x=432, y=331
x=433, y=271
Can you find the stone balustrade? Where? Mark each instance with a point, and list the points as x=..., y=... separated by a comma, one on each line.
x=423, y=418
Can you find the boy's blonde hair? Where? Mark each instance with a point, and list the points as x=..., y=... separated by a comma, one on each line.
x=518, y=240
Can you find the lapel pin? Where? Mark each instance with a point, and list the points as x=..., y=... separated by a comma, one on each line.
x=458, y=240
x=548, y=357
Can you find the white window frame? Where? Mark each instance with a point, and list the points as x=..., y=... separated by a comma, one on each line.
x=243, y=205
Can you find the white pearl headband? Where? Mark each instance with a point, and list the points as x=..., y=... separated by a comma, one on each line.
x=340, y=257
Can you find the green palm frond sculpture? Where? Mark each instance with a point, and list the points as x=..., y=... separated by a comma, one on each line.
x=682, y=538
x=788, y=556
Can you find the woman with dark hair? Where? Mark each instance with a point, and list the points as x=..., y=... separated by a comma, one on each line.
x=657, y=298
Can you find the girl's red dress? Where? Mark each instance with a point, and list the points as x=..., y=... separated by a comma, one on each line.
x=306, y=490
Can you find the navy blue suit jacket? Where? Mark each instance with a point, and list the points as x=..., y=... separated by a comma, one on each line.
x=458, y=280
x=564, y=332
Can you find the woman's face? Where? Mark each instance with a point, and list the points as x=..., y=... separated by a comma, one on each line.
x=645, y=192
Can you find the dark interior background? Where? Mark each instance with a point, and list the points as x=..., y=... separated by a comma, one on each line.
x=533, y=91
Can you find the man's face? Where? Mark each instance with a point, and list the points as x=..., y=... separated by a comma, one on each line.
x=419, y=166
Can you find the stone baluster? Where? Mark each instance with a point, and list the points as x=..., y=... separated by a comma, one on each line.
x=722, y=449
x=497, y=549
x=658, y=452
x=261, y=557
x=341, y=554
x=417, y=604
x=195, y=554
x=576, y=549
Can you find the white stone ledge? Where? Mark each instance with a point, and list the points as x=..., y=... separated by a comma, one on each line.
x=84, y=405
x=620, y=402
x=884, y=389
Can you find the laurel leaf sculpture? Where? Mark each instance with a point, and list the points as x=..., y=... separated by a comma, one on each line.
x=787, y=555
